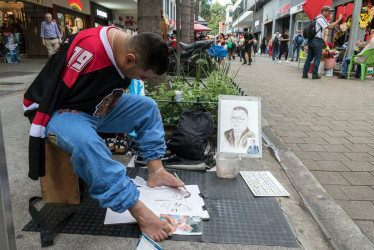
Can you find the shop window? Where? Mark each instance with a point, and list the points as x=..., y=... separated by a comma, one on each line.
x=70, y=24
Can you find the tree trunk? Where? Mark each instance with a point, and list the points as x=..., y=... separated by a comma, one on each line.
x=186, y=16
x=197, y=10
x=149, y=20
x=192, y=20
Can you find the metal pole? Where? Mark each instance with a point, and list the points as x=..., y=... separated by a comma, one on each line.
x=7, y=235
x=353, y=36
x=178, y=23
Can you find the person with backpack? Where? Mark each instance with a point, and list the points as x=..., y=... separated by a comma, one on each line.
x=231, y=47
x=315, y=32
x=248, y=43
x=276, y=43
x=263, y=45
x=297, y=42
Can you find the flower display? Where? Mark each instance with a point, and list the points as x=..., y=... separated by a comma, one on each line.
x=360, y=45
x=366, y=16
x=328, y=51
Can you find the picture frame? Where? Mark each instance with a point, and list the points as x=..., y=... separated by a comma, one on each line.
x=239, y=125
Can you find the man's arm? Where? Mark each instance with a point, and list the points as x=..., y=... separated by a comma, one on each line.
x=58, y=33
x=332, y=25
x=42, y=33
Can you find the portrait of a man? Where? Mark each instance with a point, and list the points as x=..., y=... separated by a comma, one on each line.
x=239, y=122
x=239, y=134
x=253, y=148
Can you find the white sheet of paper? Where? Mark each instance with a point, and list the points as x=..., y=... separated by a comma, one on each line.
x=263, y=183
x=165, y=200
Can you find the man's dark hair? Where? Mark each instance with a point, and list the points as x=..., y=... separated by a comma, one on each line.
x=151, y=51
x=241, y=108
x=245, y=29
x=285, y=30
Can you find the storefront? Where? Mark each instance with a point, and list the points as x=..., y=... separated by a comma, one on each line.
x=72, y=16
x=283, y=18
x=268, y=18
x=20, y=25
x=298, y=18
x=126, y=22
x=258, y=17
x=101, y=16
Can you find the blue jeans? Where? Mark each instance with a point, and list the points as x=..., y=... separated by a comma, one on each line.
x=275, y=52
x=76, y=133
x=297, y=48
x=345, y=66
x=314, y=51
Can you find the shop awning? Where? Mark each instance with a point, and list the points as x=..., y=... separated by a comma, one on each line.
x=199, y=27
x=313, y=7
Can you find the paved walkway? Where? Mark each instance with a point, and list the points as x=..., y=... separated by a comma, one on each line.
x=328, y=123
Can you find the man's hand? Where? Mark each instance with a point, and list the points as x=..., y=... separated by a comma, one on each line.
x=59, y=40
x=149, y=223
x=340, y=17
x=43, y=41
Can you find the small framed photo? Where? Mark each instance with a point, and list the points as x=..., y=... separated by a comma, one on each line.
x=239, y=125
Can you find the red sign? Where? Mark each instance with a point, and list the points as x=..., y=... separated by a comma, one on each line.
x=76, y=4
x=129, y=21
x=284, y=10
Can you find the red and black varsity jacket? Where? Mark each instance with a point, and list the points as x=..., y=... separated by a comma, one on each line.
x=80, y=76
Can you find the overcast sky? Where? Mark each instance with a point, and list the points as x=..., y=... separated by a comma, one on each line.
x=222, y=2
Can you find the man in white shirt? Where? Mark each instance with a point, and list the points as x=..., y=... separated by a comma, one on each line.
x=361, y=59
x=315, y=44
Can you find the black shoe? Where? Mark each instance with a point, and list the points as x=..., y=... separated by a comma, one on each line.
x=249, y=63
x=342, y=77
x=305, y=77
x=316, y=77
x=291, y=60
x=356, y=76
x=244, y=63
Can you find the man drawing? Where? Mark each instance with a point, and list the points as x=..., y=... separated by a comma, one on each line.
x=238, y=136
x=253, y=148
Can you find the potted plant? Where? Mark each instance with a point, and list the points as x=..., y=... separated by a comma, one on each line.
x=330, y=55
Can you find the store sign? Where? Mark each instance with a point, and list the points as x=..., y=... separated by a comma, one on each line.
x=36, y=1
x=284, y=10
x=47, y=3
x=75, y=4
x=101, y=13
x=130, y=21
x=296, y=9
x=120, y=20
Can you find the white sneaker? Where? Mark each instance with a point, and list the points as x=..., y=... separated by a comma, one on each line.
x=287, y=61
x=280, y=61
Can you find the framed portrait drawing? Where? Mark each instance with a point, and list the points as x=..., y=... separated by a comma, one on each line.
x=239, y=125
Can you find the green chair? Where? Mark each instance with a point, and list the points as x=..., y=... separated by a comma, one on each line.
x=302, y=56
x=369, y=62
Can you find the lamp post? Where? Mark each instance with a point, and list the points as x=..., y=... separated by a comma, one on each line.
x=178, y=23
x=354, y=31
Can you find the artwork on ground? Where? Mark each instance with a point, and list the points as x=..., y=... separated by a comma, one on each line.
x=239, y=125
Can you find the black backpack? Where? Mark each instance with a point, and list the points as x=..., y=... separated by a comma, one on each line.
x=276, y=42
x=310, y=29
x=191, y=138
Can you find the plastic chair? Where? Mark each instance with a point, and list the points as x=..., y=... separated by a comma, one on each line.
x=302, y=56
x=364, y=66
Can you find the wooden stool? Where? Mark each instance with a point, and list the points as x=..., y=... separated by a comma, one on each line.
x=60, y=184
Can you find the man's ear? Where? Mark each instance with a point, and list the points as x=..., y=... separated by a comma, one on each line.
x=130, y=59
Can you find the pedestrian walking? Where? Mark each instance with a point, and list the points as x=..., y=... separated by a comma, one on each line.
x=231, y=47
x=315, y=44
x=276, y=44
x=270, y=44
x=284, y=46
x=263, y=45
x=221, y=42
x=68, y=104
x=248, y=43
x=50, y=34
x=241, y=47
x=297, y=42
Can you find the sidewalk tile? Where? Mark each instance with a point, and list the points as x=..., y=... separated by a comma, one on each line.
x=359, y=178
x=294, y=147
x=367, y=227
x=291, y=133
x=332, y=166
x=359, y=210
x=319, y=128
x=289, y=139
x=304, y=123
x=359, y=156
x=311, y=148
x=337, y=133
x=290, y=119
x=315, y=140
x=361, y=127
x=317, y=134
x=341, y=123
x=338, y=140
x=358, y=193
x=300, y=128
x=359, y=165
x=333, y=156
x=359, y=139
x=357, y=148
x=335, y=148
x=308, y=156
x=335, y=192
x=330, y=178
x=358, y=133
x=339, y=127
x=311, y=165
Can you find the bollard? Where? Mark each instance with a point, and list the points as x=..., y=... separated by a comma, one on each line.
x=7, y=235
